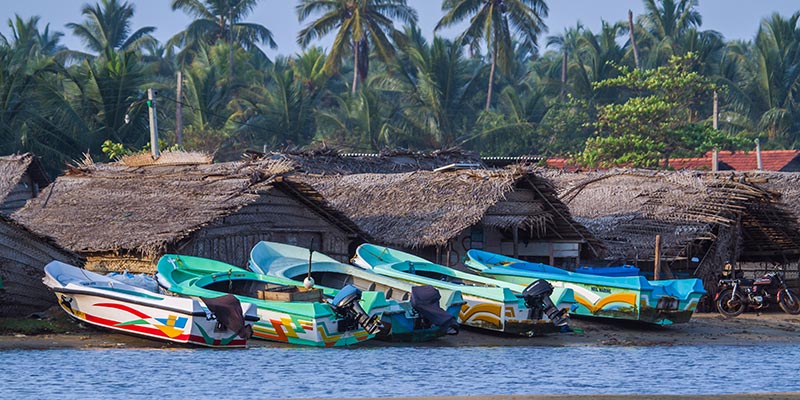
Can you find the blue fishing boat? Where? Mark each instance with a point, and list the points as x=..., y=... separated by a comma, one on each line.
x=661, y=302
x=620, y=270
x=490, y=304
x=410, y=316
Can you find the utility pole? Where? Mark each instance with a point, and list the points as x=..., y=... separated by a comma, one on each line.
x=714, y=158
x=178, y=111
x=151, y=107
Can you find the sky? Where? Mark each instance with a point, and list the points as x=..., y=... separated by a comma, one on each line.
x=735, y=19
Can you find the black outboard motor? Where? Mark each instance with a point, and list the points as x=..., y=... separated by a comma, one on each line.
x=346, y=305
x=425, y=299
x=537, y=299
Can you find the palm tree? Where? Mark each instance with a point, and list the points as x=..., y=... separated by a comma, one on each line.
x=221, y=20
x=107, y=28
x=491, y=21
x=567, y=42
x=434, y=84
x=775, y=82
x=34, y=115
x=360, y=25
x=665, y=23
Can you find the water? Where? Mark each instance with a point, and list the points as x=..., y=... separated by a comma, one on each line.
x=263, y=372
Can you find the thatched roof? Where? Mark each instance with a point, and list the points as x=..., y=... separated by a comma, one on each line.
x=427, y=208
x=627, y=208
x=329, y=162
x=118, y=208
x=14, y=167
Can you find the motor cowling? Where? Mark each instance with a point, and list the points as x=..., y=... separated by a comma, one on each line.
x=346, y=306
x=537, y=299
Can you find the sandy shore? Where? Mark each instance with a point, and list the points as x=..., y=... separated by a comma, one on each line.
x=703, y=329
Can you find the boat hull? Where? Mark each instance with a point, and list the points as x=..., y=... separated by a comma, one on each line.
x=401, y=322
x=312, y=323
x=627, y=298
x=490, y=304
x=119, y=307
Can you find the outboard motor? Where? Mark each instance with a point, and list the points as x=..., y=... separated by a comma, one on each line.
x=537, y=299
x=425, y=299
x=346, y=305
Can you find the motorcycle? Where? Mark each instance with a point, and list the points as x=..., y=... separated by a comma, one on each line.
x=735, y=295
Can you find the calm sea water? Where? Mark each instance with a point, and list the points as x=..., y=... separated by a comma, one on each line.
x=264, y=373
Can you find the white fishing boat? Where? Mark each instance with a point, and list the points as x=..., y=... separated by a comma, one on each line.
x=108, y=303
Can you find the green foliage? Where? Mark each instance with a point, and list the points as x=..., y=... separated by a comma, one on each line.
x=582, y=97
x=114, y=151
x=658, y=120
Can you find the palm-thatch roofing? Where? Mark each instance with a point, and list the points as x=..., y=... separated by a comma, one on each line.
x=115, y=208
x=628, y=208
x=14, y=167
x=330, y=162
x=428, y=208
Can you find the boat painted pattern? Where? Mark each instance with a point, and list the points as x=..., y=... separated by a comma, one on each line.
x=490, y=304
x=301, y=323
x=291, y=262
x=106, y=303
x=662, y=302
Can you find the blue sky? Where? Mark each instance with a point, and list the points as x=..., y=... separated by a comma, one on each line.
x=735, y=19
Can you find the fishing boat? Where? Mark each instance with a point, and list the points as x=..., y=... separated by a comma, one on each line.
x=661, y=302
x=217, y=321
x=411, y=316
x=489, y=304
x=620, y=270
x=288, y=312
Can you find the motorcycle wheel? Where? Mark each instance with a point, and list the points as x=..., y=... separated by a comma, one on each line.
x=790, y=306
x=730, y=306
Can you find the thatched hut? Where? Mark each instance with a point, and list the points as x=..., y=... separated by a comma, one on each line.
x=22, y=176
x=123, y=217
x=712, y=218
x=330, y=162
x=23, y=255
x=441, y=214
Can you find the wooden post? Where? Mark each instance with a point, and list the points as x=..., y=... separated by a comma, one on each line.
x=516, y=242
x=657, y=261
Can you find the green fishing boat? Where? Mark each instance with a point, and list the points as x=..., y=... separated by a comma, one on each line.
x=490, y=304
x=288, y=312
x=415, y=313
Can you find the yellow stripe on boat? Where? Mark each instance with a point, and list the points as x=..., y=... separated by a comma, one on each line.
x=493, y=309
x=627, y=298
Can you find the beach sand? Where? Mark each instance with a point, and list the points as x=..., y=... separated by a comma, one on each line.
x=703, y=329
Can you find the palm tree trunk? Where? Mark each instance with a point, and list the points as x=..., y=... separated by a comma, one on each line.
x=633, y=39
x=491, y=76
x=564, y=75
x=355, y=67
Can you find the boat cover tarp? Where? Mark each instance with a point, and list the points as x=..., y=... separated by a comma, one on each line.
x=228, y=311
x=425, y=299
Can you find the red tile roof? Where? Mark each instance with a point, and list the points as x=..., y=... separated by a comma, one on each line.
x=771, y=160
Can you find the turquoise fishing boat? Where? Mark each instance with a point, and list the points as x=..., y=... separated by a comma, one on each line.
x=409, y=317
x=287, y=313
x=490, y=304
x=661, y=302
